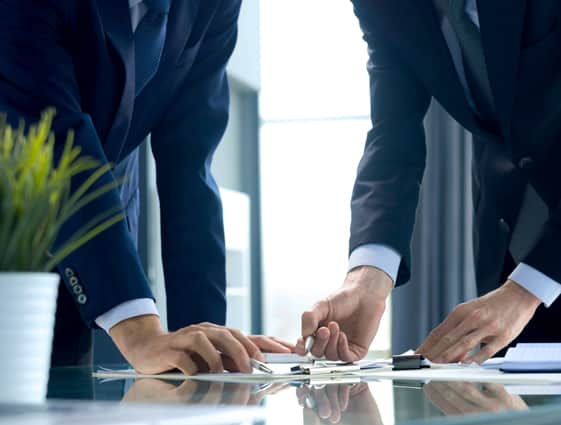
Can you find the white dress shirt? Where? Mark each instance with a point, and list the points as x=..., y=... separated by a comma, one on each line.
x=388, y=260
x=139, y=306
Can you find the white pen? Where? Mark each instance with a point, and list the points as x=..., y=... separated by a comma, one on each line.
x=309, y=344
x=260, y=366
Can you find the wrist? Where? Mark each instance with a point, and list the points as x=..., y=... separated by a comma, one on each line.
x=526, y=296
x=132, y=334
x=371, y=279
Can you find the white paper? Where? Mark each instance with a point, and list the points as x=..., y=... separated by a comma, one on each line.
x=467, y=373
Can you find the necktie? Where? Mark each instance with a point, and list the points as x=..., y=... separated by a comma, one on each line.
x=149, y=39
x=469, y=39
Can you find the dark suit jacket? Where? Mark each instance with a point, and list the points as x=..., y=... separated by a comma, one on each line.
x=78, y=56
x=409, y=64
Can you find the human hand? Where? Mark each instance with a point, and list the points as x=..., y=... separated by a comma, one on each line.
x=338, y=403
x=460, y=398
x=271, y=344
x=204, y=347
x=346, y=322
x=494, y=320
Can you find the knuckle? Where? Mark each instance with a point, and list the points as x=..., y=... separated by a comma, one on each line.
x=448, y=339
x=198, y=336
x=307, y=316
x=460, y=308
x=477, y=315
x=494, y=326
x=467, y=342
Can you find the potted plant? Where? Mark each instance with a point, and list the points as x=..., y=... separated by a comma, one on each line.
x=35, y=201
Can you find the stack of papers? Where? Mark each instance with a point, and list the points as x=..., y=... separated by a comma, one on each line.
x=535, y=357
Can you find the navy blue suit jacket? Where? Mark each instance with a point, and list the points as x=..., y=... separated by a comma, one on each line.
x=78, y=56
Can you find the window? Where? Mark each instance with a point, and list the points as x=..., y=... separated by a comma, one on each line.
x=315, y=116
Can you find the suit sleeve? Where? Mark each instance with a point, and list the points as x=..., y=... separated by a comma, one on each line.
x=183, y=144
x=544, y=256
x=36, y=71
x=389, y=176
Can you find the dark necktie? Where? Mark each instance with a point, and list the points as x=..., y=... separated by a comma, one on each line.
x=469, y=39
x=149, y=39
x=533, y=212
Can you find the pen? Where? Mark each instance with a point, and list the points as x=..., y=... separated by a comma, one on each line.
x=309, y=343
x=260, y=366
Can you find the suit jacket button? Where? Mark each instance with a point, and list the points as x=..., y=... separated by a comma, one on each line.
x=81, y=299
x=525, y=163
x=68, y=272
x=503, y=226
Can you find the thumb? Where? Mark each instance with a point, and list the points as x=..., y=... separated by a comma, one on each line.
x=311, y=319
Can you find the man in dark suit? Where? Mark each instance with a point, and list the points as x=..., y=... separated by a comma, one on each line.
x=495, y=66
x=117, y=70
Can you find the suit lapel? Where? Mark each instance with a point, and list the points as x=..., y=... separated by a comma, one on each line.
x=115, y=15
x=501, y=34
x=182, y=18
x=414, y=26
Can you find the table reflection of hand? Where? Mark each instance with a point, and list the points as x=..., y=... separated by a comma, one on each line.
x=460, y=398
x=338, y=403
x=198, y=392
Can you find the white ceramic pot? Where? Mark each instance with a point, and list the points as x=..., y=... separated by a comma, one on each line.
x=27, y=316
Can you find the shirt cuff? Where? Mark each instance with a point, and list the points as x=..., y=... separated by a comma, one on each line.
x=126, y=310
x=376, y=255
x=534, y=281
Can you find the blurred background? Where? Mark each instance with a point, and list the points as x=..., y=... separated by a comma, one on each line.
x=298, y=122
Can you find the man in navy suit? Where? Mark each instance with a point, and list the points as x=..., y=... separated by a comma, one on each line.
x=495, y=66
x=117, y=70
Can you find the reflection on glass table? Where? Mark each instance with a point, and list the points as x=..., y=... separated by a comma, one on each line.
x=199, y=392
x=461, y=398
x=382, y=402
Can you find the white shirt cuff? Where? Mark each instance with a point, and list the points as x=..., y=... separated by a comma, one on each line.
x=126, y=310
x=542, y=286
x=376, y=255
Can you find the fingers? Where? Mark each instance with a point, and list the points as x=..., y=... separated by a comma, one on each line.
x=333, y=397
x=253, y=350
x=182, y=361
x=345, y=353
x=440, y=336
x=331, y=350
x=312, y=319
x=461, y=340
x=230, y=346
x=321, y=339
x=287, y=344
x=271, y=345
x=323, y=405
x=214, y=394
x=196, y=341
x=344, y=396
x=486, y=352
x=300, y=348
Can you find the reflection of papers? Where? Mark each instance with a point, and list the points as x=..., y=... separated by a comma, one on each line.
x=533, y=389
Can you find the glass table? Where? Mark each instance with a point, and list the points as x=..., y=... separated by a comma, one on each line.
x=382, y=402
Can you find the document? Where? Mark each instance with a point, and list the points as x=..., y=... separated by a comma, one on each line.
x=535, y=357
